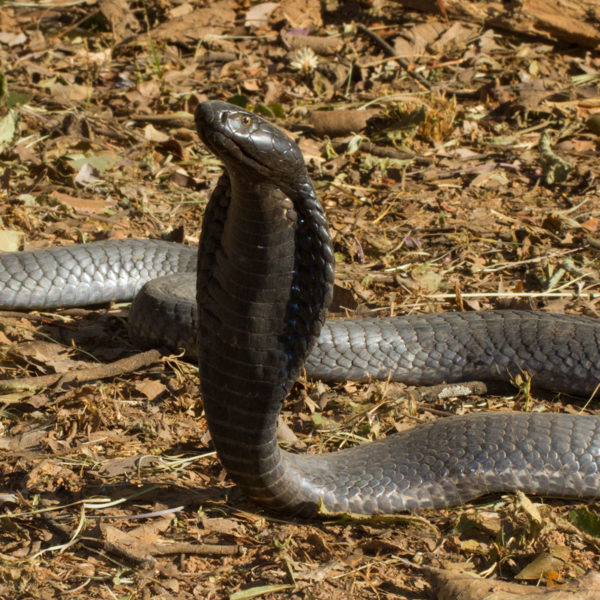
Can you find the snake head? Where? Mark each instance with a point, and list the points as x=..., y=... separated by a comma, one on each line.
x=245, y=141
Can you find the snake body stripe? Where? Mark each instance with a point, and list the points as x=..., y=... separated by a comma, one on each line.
x=264, y=279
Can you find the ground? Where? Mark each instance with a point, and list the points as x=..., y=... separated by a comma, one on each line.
x=464, y=177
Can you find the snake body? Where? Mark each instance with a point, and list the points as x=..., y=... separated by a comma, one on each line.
x=264, y=280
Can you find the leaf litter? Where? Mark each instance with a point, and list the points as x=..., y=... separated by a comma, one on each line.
x=458, y=165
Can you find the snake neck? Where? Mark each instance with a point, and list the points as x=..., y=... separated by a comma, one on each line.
x=264, y=283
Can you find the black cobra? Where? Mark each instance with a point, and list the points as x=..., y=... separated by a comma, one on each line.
x=264, y=281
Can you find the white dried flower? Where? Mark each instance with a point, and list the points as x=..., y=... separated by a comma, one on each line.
x=305, y=61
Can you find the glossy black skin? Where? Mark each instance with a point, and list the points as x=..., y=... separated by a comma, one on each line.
x=264, y=283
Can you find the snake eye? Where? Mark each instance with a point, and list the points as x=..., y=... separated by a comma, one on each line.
x=241, y=123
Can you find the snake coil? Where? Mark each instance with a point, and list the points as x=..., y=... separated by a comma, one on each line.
x=264, y=280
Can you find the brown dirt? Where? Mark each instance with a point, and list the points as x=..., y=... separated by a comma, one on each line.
x=447, y=203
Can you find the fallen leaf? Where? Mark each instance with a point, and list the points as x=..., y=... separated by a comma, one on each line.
x=116, y=467
x=154, y=135
x=221, y=525
x=12, y=39
x=415, y=40
x=455, y=35
x=10, y=241
x=54, y=358
x=261, y=590
x=23, y=441
x=529, y=508
x=121, y=18
x=302, y=13
x=150, y=388
x=73, y=92
x=92, y=205
x=216, y=18
x=427, y=279
x=100, y=161
x=340, y=122
x=8, y=130
x=149, y=88
x=259, y=14
x=142, y=540
x=543, y=563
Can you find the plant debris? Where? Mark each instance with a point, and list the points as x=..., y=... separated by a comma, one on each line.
x=457, y=162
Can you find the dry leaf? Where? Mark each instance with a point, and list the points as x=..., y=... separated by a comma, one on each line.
x=259, y=14
x=121, y=18
x=340, y=122
x=10, y=241
x=216, y=19
x=87, y=175
x=154, y=135
x=303, y=13
x=414, y=42
x=91, y=205
x=542, y=564
x=12, y=39
x=150, y=388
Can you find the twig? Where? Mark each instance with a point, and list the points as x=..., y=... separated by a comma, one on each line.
x=119, y=367
x=449, y=390
x=15, y=314
x=58, y=6
x=384, y=152
x=148, y=515
x=489, y=166
x=535, y=259
x=204, y=549
x=582, y=296
x=179, y=119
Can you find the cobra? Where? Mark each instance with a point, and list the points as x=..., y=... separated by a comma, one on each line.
x=264, y=277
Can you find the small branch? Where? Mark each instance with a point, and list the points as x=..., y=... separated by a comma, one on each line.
x=164, y=549
x=535, y=259
x=179, y=119
x=449, y=390
x=509, y=295
x=384, y=152
x=107, y=371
